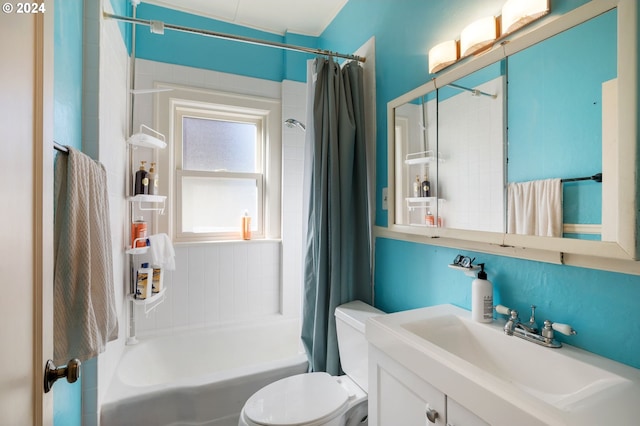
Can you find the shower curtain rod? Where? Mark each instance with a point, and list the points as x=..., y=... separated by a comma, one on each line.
x=161, y=25
x=474, y=92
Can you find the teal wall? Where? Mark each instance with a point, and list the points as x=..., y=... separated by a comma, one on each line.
x=68, y=72
x=543, y=93
x=67, y=130
x=217, y=54
x=600, y=305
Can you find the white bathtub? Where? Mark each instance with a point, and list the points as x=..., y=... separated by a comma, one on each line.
x=200, y=377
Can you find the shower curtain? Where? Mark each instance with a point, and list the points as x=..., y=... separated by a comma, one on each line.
x=337, y=265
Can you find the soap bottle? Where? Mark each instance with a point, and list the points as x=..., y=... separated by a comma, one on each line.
x=416, y=187
x=426, y=188
x=142, y=180
x=482, y=297
x=246, y=226
x=153, y=180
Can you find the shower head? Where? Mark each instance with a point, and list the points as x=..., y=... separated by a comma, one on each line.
x=292, y=122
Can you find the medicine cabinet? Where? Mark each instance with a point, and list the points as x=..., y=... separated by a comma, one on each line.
x=558, y=100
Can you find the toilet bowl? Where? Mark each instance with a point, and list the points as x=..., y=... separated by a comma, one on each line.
x=319, y=399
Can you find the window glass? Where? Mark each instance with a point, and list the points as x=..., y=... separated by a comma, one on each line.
x=214, y=204
x=216, y=145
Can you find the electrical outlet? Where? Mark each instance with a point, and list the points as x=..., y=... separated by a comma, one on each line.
x=385, y=199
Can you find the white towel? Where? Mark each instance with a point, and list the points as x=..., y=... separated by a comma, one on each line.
x=85, y=316
x=162, y=252
x=535, y=208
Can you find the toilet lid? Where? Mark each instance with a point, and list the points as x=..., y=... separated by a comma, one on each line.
x=297, y=400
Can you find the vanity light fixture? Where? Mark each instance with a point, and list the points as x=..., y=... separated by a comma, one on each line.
x=442, y=55
x=518, y=13
x=478, y=36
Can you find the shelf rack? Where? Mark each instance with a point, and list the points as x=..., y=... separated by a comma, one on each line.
x=150, y=303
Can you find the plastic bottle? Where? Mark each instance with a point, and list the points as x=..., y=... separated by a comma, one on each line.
x=139, y=233
x=482, y=297
x=144, y=282
x=158, y=279
x=153, y=180
x=426, y=188
x=429, y=219
x=416, y=187
x=246, y=226
x=142, y=180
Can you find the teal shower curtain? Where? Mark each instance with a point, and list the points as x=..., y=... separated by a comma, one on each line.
x=338, y=263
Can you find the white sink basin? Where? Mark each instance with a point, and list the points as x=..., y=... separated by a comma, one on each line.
x=542, y=372
x=493, y=374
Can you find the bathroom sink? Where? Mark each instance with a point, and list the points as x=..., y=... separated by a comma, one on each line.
x=487, y=371
x=542, y=372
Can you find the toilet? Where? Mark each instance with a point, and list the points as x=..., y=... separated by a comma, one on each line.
x=319, y=399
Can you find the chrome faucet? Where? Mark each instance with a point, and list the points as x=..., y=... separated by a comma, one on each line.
x=530, y=331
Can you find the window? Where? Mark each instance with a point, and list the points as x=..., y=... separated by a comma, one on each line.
x=221, y=154
x=219, y=173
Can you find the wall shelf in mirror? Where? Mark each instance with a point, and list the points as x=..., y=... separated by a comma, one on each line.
x=424, y=157
x=595, y=130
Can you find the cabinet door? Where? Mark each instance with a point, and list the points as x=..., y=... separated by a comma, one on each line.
x=457, y=415
x=403, y=399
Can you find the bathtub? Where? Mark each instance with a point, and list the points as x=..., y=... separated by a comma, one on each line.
x=200, y=377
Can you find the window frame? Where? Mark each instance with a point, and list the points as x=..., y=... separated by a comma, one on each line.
x=182, y=101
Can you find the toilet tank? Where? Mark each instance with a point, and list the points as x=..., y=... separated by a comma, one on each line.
x=352, y=344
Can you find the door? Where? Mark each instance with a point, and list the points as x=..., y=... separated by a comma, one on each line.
x=26, y=179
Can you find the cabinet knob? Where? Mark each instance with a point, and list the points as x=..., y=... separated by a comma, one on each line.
x=432, y=415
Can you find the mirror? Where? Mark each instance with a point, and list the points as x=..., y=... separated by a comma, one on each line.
x=555, y=128
x=416, y=148
x=471, y=117
x=541, y=106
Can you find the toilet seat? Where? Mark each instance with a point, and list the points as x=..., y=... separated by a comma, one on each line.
x=304, y=399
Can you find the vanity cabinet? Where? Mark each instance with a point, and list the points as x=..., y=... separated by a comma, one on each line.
x=399, y=397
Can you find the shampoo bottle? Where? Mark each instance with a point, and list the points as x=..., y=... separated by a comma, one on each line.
x=142, y=180
x=153, y=180
x=426, y=188
x=416, y=187
x=144, y=279
x=482, y=297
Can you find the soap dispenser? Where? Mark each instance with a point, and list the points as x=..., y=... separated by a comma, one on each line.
x=482, y=297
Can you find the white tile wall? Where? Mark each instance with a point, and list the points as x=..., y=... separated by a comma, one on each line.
x=225, y=282
x=471, y=179
x=294, y=105
x=215, y=284
x=104, y=133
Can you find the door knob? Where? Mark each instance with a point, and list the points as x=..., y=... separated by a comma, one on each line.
x=52, y=373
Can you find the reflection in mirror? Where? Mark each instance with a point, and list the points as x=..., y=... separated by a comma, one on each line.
x=416, y=167
x=556, y=92
x=471, y=141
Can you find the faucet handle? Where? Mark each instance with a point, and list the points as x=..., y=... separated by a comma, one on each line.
x=563, y=328
x=501, y=309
